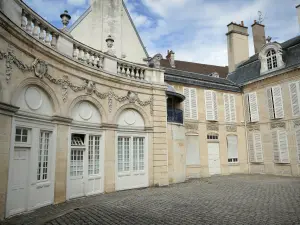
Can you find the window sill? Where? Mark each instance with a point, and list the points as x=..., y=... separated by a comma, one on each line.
x=234, y=164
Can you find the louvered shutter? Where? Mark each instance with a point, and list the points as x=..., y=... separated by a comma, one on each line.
x=232, y=146
x=278, y=102
x=283, y=146
x=294, y=99
x=251, y=147
x=194, y=109
x=226, y=107
x=209, y=105
x=187, y=111
x=258, y=147
x=232, y=108
x=215, y=105
x=246, y=103
x=253, y=107
x=298, y=143
x=270, y=103
x=275, y=146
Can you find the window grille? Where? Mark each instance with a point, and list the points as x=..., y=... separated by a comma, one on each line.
x=212, y=137
x=77, y=141
x=271, y=59
x=43, y=156
x=21, y=135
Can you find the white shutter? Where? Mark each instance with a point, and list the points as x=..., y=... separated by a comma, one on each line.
x=246, y=103
x=275, y=146
x=194, y=108
x=283, y=146
x=278, y=102
x=209, y=105
x=187, y=111
x=232, y=146
x=298, y=143
x=232, y=108
x=294, y=99
x=258, y=147
x=270, y=103
x=251, y=147
x=215, y=105
x=253, y=107
x=226, y=107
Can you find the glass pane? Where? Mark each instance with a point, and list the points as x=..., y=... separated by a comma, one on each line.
x=18, y=138
x=24, y=138
x=18, y=131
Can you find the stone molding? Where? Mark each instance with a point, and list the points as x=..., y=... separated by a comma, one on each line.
x=60, y=119
x=277, y=124
x=8, y=109
x=253, y=127
x=231, y=128
x=212, y=127
x=296, y=123
x=191, y=126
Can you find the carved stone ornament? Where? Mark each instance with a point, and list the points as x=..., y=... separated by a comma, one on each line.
x=296, y=123
x=154, y=62
x=231, y=128
x=213, y=127
x=253, y=127
x=40, y=69
x=191, y=126
x=274, y=125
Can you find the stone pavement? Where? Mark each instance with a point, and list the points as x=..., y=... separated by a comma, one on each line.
x=235, y=199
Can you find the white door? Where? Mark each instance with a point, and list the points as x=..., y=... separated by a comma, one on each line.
x=76, y=185
x=213, y=158
x=131, y=163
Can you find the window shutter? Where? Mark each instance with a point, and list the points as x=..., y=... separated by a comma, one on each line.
x=275, y=146
x=253, y=107
x=194, y=109
x=294, y=99
x=278, y=103
x=251, y=147
x=283, y=146
x=187, y=111
x=209, y=105
x=232, y=108
x=232, y=146
x=270, y=103
x=226, y=107
x=258, y=147
x=215, y=105
x=247, y=114
x=298, y=143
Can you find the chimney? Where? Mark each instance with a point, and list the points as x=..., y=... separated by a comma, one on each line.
x=298, y=13
x=259, y=36
x=171, y=57
x=237, y=44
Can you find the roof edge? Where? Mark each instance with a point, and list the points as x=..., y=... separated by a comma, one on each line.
x=76, y=23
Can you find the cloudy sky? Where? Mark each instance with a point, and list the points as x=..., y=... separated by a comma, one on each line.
x=193, y=29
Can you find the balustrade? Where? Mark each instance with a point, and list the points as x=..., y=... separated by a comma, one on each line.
x=88, y=56
x=131, y=70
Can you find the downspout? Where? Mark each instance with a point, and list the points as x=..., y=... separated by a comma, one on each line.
x=245, y=127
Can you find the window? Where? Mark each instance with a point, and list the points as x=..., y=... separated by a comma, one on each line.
x=271, y=59
x=123, y=154
x=212, y=136
x=275, y=102
x=76, y=163
x=94, y=155
x=43, y=156
x=294, y=95
x=190, y=103
x=298, y=143
x=138, y=153
x=280, y=146
x=251, y=107
x=211, y=105
x=232, y=148
x=229, y=105
x=22, y=135
x=255, y=147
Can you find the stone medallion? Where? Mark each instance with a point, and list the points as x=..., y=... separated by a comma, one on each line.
x=85, y=110
x=130, y=117
x=33, y=98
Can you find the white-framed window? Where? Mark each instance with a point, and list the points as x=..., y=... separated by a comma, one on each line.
x=298, y=143
x=138, y=154
x=211, y=105
x=190, y=103
x=123, y=154
x=271, y=59
x=232, y=148
x=76, y=162
x=275, y=102
x=94, y=155
x=43, y=156
x=280, y=146
x=295, y=97
x=255, y=147
x=251, y=107
x=22, y=135
x=229, y=106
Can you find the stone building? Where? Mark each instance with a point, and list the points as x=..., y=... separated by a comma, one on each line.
x=81, y=118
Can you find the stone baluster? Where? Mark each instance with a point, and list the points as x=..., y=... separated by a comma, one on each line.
x=128, y=71
x=118, y=68
x=29, y=25
x=131, y=71
x=100, y=62
x=96, y=60
x=81, y=54
x=92, y=58
x=42, y=33
x=75, y=52
x=54, y=39
x=23, y=20
x=142, y=74
x=85, y=56
x=47, y=38
x=36, y=29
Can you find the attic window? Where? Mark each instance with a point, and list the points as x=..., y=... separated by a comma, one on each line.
x=215, y=74
x=77, y=140
x=271, y=59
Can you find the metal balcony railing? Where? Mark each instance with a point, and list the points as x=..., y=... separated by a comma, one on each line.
x=175, y=115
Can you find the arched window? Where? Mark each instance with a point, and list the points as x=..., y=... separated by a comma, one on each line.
x=271, y=59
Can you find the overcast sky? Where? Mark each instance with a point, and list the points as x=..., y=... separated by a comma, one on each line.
x=193, y=29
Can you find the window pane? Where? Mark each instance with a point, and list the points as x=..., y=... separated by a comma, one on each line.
x=18, y=131
x=18, y=138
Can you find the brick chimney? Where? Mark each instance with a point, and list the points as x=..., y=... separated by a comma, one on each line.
x=298, y=13
x=171, y=57
x=259, y=36
x=237, y=44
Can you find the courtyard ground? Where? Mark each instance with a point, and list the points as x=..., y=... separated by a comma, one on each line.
x=235, y=199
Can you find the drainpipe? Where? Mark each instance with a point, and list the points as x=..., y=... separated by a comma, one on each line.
x=246, y=133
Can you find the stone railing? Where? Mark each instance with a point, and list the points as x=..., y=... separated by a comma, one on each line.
x=131, y=70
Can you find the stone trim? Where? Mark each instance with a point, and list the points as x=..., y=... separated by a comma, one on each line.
x=296, y=123
x=277, y=124
x=231, y=128
x=212, y=127
x=191, y=126
x=7, y=109
x=61, y=119
x=253, y=127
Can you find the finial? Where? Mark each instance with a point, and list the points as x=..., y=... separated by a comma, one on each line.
x=268, y=39
x=65, y=18
x=110, y=43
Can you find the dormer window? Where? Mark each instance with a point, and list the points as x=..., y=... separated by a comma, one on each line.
x=271, y=59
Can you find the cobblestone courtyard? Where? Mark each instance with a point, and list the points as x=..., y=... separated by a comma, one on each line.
x=237, y=199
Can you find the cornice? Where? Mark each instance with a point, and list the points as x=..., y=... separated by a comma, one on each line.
x=8, y=109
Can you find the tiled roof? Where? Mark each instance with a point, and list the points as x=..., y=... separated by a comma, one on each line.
x=196, y=67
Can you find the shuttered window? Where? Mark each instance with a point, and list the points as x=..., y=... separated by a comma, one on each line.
x=190, y=103
x=229, y=106
x=294, y=95
x=232, y=148
x=211, y=105
x=251, y=107
x=298, y=143
x=275, y=102
x=280, y=146
x=255, y=147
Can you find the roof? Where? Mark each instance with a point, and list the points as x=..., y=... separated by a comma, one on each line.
x=172, y=92
x=202, y=80
x=249, y=70
x=196, y=67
